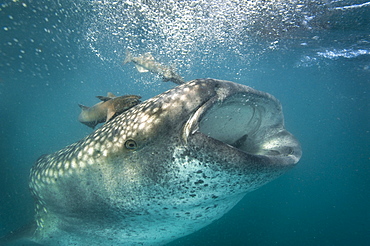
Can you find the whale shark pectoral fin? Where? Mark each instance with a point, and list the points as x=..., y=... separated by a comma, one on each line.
x=103, y=98
x=20, y=236
x=141, y=69
x=83, y=107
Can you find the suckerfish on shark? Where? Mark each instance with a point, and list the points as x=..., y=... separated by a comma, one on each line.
x=109, y=107
x=147, y=63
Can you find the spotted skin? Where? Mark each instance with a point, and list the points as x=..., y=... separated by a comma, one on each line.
x=156, y=173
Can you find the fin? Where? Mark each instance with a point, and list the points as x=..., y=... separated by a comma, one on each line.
x=128, y=57
x=103, y=98
x=90, y=124
x=20, y=236
x=110, y=94
x=83, y=107
x=141, y=69
x=110, y=114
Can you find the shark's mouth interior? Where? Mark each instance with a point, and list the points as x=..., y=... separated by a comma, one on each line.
x=234, y=121
x=250, y=122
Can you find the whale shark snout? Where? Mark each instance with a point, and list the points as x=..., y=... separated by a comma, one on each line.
x=163, y=168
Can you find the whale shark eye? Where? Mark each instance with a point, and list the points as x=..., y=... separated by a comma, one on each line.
x=130, y=144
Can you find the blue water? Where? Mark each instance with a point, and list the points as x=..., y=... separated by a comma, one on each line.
x=313, y=56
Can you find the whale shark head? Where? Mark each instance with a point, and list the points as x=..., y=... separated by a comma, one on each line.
x=162, y=169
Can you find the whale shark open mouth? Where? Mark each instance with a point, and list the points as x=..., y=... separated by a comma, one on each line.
x=234, y=122
x=246, y=121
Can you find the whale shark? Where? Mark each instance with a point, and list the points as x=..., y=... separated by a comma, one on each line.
x=146, y=63
x=109, y=107
x=162, y=169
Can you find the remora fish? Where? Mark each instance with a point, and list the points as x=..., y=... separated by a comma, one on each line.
x=162, y=169
x=146, y=63
x=105, y=110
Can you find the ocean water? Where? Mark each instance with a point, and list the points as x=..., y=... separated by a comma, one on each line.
x=314, y=56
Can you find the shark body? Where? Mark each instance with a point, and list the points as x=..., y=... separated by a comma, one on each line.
x=162, y=169
x=147, y=63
